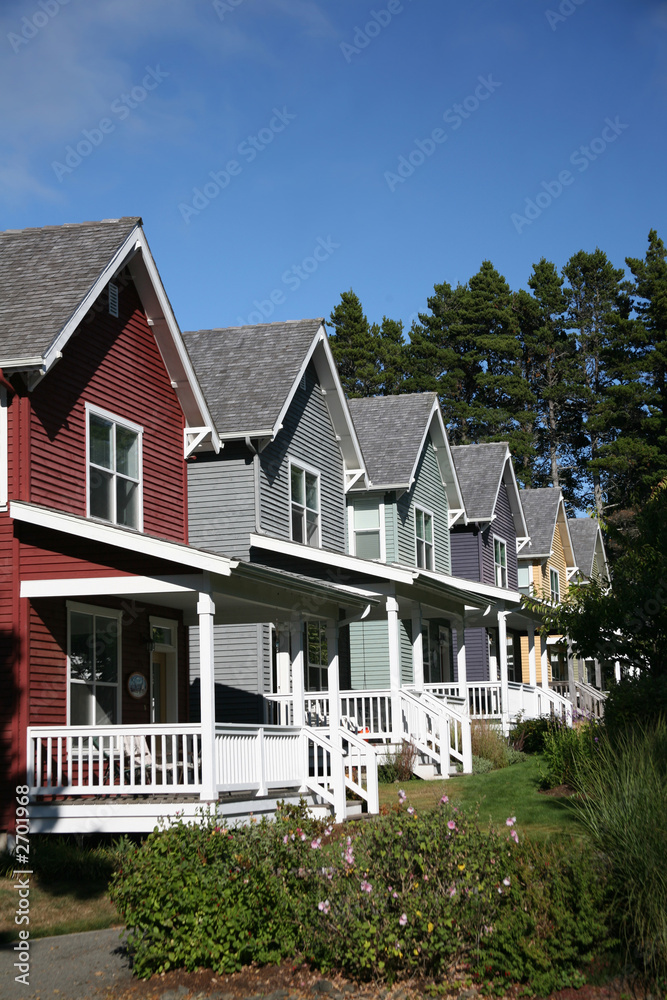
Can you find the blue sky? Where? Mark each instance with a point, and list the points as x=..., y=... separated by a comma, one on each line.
x=291, y=118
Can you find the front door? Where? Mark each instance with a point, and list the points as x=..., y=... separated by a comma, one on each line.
x=159, y=687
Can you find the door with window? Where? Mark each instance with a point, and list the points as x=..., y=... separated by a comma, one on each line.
x=164, y=670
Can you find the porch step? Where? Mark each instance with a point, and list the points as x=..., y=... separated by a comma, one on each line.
x=427, y=772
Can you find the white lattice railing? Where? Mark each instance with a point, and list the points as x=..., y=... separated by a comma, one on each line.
x=485, y=699
x=436, y=731
x=114, y=760
x=257, y=758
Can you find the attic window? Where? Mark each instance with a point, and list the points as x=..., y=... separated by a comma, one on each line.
x=302, y=383
x=113, y=299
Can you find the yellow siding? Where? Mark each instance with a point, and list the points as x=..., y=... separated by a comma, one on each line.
x=525, y=666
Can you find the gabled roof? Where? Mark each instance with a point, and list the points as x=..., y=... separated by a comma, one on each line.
x=392, y=432
x=250, y=374
x=50, y=278
x=587, y=540
x=544, y=509
x=481, y=469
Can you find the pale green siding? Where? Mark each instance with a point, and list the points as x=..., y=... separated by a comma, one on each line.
x=369, y=655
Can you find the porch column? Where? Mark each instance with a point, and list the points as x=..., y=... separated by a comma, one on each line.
x=283, y=661
x=570, y=674
x=206, y=612
x=417, y=649
x=461, y=664
x=544, y=660
x=394, y=668
x=598, y=675
x=532, y=665
x=297, y=673
x=504, y=681
x=337, y=763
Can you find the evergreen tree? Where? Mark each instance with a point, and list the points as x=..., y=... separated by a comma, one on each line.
x=596, y=305
x=390, y=347
x=354, y=348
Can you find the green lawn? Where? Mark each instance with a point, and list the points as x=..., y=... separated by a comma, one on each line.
x=511, y=791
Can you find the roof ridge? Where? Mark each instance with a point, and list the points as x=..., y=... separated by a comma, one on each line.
x=135, y=219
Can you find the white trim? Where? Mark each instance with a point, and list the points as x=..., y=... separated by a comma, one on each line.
x=352, y=532
x=98, y=411
x=453, y=514
x=4, y=449
x=311, y=471
x=429, y=513
x=123, y=538
x=96, y=610
x=521, y=543
x=472, y=587
x=455, y=501
x=338, y=560
x=171, y=650
x=108, y=586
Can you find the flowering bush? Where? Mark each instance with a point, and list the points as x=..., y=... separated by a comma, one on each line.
x=407, y=894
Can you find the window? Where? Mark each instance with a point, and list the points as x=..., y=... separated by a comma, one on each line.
x=554, y=582
x=317, y=660
x=500, y=561
x=93, y=651
x=114, y=470
x=305, y=501
x=524, y=579
x=367, y=527
x=424, y=538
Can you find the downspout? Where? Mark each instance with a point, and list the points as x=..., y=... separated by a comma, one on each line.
x=255, y=475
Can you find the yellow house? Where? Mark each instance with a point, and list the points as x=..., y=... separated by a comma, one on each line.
x=546, y=566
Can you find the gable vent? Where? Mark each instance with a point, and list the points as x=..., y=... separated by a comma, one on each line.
x=302, y=383
x=113, y=299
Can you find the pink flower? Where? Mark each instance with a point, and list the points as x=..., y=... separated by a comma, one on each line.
x=411, y=810
x=403, y=919
x=506, y=881
x=395, y=894
x=366, y=886
x=315, y=844
x=324, y=907
x=303, y=836
x=451, y=824
x=444, y=800
x=426, y=878
x=401, y=796
x=510, y=821
x=399, y=833
x=452, y=890
x=515, y=836
x=285, y=839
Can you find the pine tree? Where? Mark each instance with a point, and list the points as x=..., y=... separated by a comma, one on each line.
x=354, y=348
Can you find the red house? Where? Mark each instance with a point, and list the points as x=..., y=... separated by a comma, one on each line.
x=99, y=410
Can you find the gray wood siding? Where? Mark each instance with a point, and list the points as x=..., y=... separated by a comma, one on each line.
x=391, y=527
x=502, y=527
x=405, y=634
x=221, y=501
x=239, y=669
x=466, y=553
x=477, y=654
x=428, y=492
x=307, y=436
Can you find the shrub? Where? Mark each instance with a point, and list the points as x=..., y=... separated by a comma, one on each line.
x=398, y=764
x=624, y=810
x=567, y=749
x=515, y=756
x=528, y=734
x=488, y=742
x=480, y=765
x=635, y=702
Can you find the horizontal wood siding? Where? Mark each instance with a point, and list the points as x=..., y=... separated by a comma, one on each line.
x=369, y=655
x=428, y=492
x=466, y=553
x=391, y=527
x=238, y=673
x=221, y=501
x=502, y=527
x=405, y=645
x=114, y=364
x=477, y=654
x=307, y=436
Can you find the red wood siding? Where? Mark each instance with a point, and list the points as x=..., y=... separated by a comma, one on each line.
x=114, y=364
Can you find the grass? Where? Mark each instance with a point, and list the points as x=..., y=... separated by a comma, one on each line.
x=511, y=791
x=64, y=907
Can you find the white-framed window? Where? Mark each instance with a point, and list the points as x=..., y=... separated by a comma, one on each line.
x=554, y=585
x=500, y=561
x=305, y=504
x=4, y=449
x=524, y=579
x=366, y=524
x=93, y=659
x=316, y=659
x=424, y=539
x=114, y=464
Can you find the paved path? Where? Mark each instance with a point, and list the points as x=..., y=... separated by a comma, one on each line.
x=71, y=967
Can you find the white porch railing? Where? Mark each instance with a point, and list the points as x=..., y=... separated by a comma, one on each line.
x=436, y=730
x=485, y=699
x=587, y=699
x=534, y=702
x=114, y=760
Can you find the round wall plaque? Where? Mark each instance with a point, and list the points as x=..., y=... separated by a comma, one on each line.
x=137, y=685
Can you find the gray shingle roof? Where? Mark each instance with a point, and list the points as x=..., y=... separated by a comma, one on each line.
x=583, y=532
x=390, y=431
x=479, y=468
x=246, y=372
x=540, y=508
x=45, y=274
